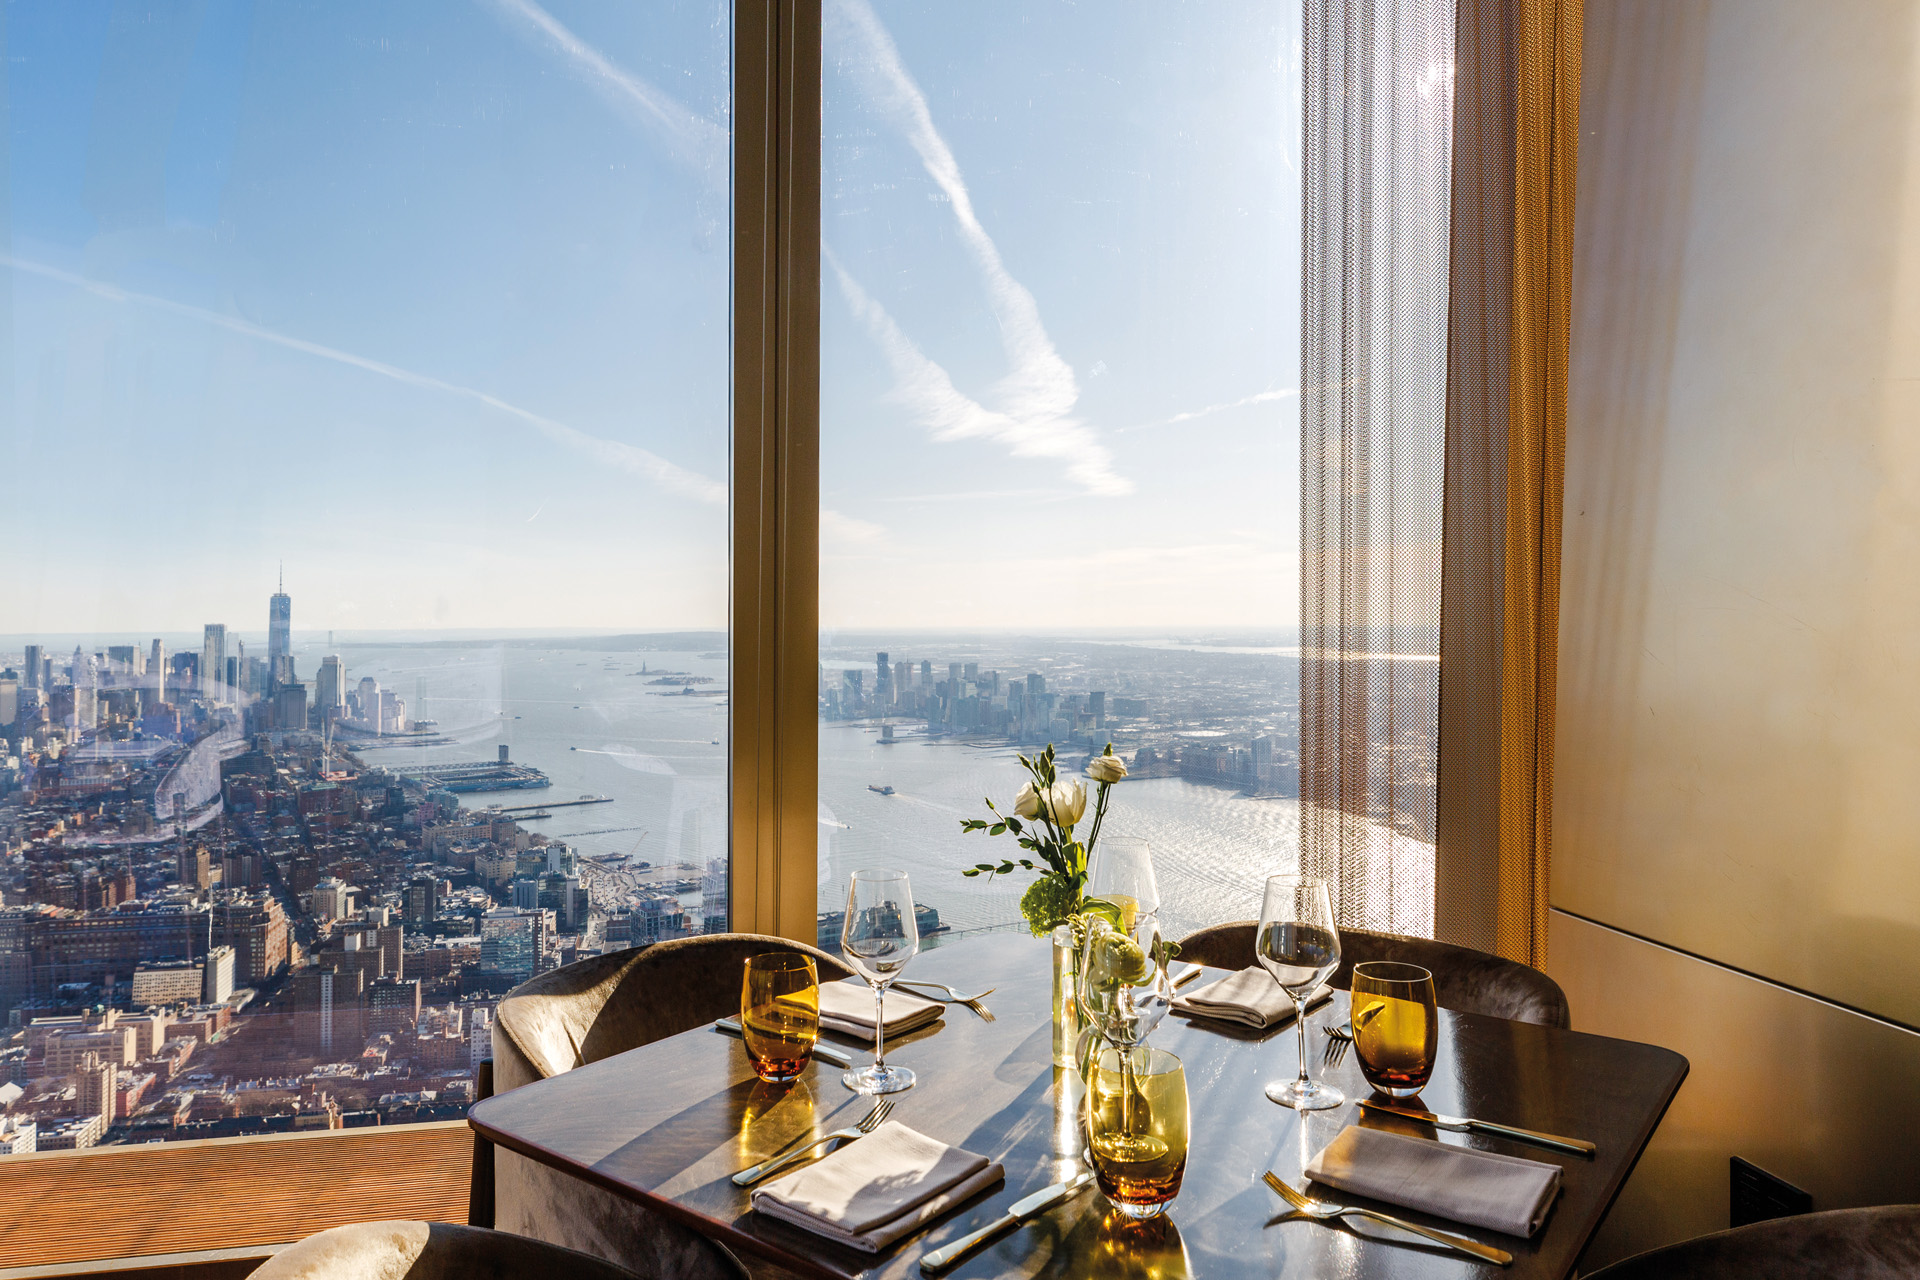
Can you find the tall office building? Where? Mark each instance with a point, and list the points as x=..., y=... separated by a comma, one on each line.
x=514, y=942
x=213, y=662
x=279, y=636
x=30, y=678
x=330, y=689
x=290, y=707
x=883, y=683
x=157, y=668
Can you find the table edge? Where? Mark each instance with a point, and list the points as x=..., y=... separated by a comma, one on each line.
x=723, y=1232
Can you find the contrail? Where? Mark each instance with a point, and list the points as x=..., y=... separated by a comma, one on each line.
x=690, y=138
x=1262, y=397
x=1039, y=391
x=626, y=457
x=926, y=389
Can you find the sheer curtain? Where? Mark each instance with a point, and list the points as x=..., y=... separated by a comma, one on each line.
x=1440, y=147
x=1378, y=84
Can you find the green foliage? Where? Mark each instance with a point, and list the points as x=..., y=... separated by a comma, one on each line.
x=1049, y=901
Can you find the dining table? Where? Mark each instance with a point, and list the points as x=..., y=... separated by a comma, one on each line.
x=668, y=1124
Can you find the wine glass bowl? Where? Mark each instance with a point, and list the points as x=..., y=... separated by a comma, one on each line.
x=1121, y=872
x=1396, y=1027
x=1123, y=989
x=1299, y=945
x=879, y=936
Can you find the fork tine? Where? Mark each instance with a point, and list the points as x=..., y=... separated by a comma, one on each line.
x=1284, y=1191
x=877, y=1116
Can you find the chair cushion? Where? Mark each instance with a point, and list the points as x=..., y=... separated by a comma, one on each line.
x=1841, y=1244
x=431, y=1251
x=1463, y=979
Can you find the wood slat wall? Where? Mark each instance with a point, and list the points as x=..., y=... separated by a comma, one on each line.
x=122, y=1202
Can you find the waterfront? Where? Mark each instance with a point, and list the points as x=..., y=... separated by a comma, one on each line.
x=594, y=726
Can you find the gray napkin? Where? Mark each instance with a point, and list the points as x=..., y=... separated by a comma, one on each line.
x=848, y=1008
x=876, y=1189
x=1251, y=997
x=1479, y=1188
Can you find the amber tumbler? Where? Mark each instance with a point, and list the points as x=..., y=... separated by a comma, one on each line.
x=1396, y=1029
x=780, y=1014
x=1137, y=1128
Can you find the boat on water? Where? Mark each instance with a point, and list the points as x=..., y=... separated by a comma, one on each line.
x=885, y=791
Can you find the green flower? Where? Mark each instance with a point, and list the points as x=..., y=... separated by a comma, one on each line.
x=1048, y=901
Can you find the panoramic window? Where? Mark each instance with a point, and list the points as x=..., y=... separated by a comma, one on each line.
x=1060, y=303
x=363, y=652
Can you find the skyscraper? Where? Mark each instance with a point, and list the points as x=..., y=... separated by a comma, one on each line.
x=213, y=662
x=279, y=636
x=330, y=689
x=30, y=678
x=157, y=667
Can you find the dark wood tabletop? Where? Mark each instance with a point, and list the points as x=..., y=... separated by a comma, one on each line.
x=670, y=1122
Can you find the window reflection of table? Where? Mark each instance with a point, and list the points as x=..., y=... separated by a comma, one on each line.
x=668, y=1123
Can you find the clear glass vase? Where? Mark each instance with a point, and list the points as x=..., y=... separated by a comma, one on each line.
x=1066, y=1007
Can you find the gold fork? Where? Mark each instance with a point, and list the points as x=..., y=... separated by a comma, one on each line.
x=956, y=997
x=1320, y=1211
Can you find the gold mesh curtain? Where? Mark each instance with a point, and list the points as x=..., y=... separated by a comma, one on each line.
x=1439, y=160
x=1373, y=420
x=1517, y=102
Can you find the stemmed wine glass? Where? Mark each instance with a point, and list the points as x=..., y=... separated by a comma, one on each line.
x=1121, y=872
x=878, y=938
x=1300, y=946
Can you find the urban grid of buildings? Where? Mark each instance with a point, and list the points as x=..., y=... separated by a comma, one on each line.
x=216, y=919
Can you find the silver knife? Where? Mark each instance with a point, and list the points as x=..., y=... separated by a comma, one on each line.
x=824, y=1052
x=1188, y=975
x=1465, y=1124
x=1024, y=1210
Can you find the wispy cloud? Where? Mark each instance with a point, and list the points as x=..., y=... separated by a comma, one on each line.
x=625, y=457
x=1262, y=397
x=689, y=137
x=836, y=527
x=1036, y=398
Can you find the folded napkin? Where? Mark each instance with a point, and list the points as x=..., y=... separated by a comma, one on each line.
x=1252, y=997
x=876, y=1189
x=1479, y=1188
x=847, y=1007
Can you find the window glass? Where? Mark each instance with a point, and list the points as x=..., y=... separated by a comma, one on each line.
x=1060, y=354
x=363, y=651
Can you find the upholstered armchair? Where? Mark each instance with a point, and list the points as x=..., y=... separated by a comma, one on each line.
x=1463, y=979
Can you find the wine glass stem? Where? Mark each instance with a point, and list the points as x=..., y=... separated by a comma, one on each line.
x=1300, y=1026
x=880, y=1028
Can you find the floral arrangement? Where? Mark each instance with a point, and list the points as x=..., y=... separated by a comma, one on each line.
x=1044, y=816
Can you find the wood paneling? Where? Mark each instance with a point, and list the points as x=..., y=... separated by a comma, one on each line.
x=123, y=1202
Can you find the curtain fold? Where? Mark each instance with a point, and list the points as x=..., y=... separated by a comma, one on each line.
x=1517, y=104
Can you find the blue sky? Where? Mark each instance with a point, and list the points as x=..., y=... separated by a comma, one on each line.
x=430, y=301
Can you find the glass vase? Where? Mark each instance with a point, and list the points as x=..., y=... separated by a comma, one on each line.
x=1066, y=1005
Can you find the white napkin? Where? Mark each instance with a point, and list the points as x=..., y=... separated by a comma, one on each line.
x=848, y=1008
x=1479, y=1188
x=876, y=1189
x=1252, y=997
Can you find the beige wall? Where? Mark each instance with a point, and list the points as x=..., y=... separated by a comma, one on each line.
x=1739, y=744
x=1825, y=1098
x=1738, y=762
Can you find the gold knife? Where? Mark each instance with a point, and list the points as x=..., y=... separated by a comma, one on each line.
x=1465, y=1124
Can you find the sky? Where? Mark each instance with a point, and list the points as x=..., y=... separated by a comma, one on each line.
x=430, y=303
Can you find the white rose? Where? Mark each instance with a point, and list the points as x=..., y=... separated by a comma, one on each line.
x=1106, y=769
x=1027, y=803
x=1066, y=801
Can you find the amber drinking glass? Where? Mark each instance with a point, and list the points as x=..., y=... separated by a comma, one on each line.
x=1137, y=1128
x=1395, y=1028
x=780, y=1014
